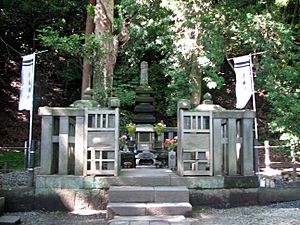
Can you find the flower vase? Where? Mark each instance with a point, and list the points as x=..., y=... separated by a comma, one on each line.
x=160, y=137
x=131, y=144
x=172, y=159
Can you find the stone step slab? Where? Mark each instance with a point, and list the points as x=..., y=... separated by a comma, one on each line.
x=148, y=209
x=10, y=220
x=131, y=194
x=171, y=194
x=148, y=194
x=149, y=220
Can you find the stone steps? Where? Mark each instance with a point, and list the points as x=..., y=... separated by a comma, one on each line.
x=148, y=209
x=131, y=194
x=148, y=201
x=149, y=220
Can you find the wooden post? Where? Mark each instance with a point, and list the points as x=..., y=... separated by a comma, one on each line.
x=267, y=154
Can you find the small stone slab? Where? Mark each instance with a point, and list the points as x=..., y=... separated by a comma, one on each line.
x=149, y=220
x=125, y=209
x=131, y=194
x=9, y=220
x=171, y=194
x=182, y=208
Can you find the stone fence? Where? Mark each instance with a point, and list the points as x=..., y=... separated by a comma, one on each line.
x=79, y=141
x=215, y=142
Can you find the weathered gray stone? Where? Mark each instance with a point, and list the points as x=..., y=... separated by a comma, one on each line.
x=272, y=195
x=59, y=111
x=143, y=181
x=184, y=104
x=247, y=168
x=140, y=223
x=93, y=199
x=53, y=181
x=91, y=182
x=125, y=209
x=223, y=198
x=212, y=198
x=113, y=102
x=199, y=182
x=217, y=147
x=9, y=220
x=171, y=194
x=72, y=182
x=119, y=223
x=182, y=208
x=63, y=145
x=150, y=220
x=144, y=74
x=80, y=137
x=142, y=209
x=46, y=144
x=232, y=152
x=131, y=194
x=243, y=197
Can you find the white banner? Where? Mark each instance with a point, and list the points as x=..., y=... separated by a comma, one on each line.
x=26, y=92
x=244, y=77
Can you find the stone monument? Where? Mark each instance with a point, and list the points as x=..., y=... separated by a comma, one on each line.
x=144, y=119
x=144, y=101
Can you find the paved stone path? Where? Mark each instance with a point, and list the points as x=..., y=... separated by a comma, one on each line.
x=149, y=220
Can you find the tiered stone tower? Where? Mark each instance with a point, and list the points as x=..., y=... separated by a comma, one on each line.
x=144, y=101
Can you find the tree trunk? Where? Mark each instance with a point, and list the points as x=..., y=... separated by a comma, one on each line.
x=87, y=66
x=196, y=79
x=103, y=67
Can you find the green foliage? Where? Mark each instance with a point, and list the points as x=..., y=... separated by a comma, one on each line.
x=14, y=159
x=177, y=38
x=126, y=117
x=90, y=9
x=74, y=45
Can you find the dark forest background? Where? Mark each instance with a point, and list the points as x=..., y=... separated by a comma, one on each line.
x=161, y=33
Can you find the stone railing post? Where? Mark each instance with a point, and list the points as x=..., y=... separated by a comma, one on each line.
x=80, y=140
x=182, y=105
x=46, y=145
x=63, y=145
x=247, y=158
x=217, y=147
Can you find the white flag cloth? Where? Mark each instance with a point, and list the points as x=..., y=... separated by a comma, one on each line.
x=26, y=92
x=244, y=77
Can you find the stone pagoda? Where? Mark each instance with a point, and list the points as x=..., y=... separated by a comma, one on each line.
x=144, y=101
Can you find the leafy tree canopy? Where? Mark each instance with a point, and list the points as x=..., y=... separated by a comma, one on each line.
x=185, y=42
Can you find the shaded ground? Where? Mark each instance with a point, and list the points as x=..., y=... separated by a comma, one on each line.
x=287, y=213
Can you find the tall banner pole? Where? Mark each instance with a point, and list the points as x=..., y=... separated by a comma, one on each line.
x=31, y=109
x=253, y=97
x=26, y=94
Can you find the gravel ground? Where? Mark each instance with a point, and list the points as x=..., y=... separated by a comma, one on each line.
x=287, y=213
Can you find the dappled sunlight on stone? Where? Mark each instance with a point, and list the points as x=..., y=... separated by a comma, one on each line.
x=88, y=212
